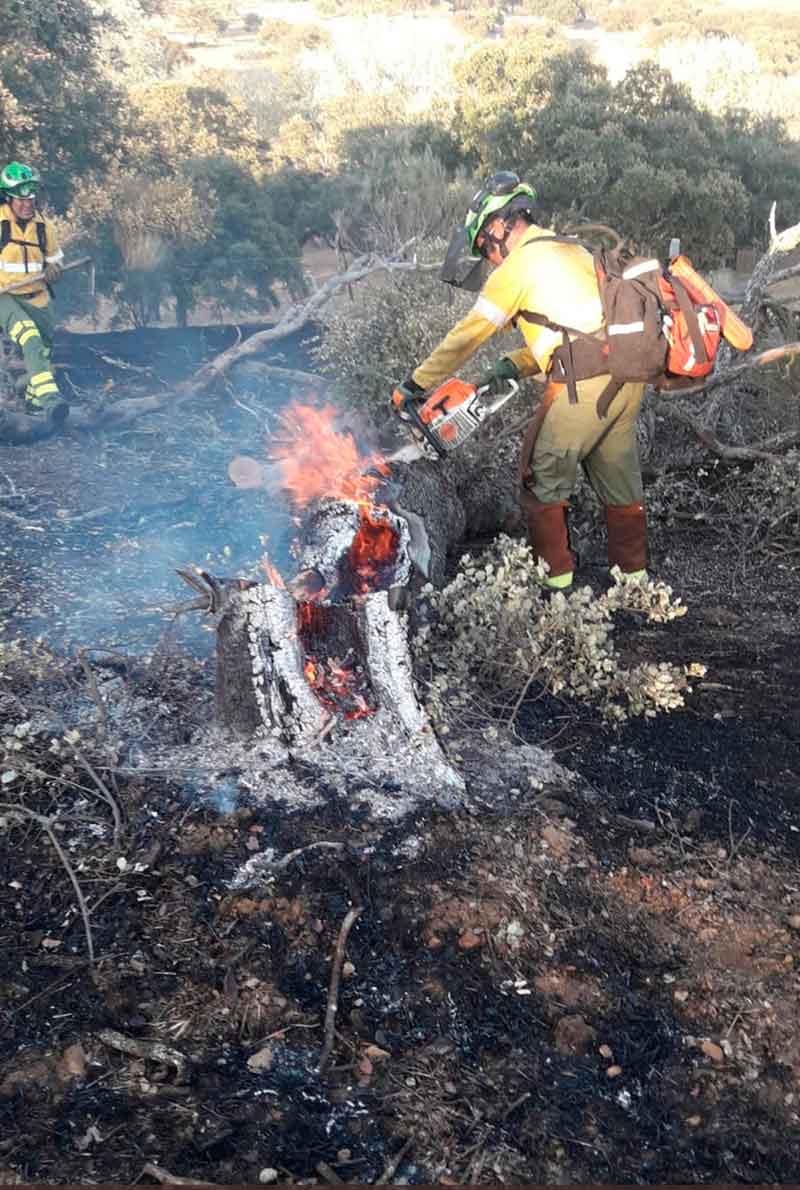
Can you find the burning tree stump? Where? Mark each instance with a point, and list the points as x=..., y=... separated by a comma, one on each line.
x=315, y=693
x=323, y=664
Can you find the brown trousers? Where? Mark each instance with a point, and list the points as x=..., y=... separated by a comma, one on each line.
x=563, y=436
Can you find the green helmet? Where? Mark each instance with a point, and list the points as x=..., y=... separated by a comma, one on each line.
x=19, y=181
x=501, y=193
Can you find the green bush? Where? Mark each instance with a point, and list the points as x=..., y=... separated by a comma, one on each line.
x=287, y=38
x=478, y=22
x=558, y=12
x=491, y=639
x=369, y=343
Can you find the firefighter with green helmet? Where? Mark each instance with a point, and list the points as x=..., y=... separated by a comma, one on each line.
x=529, y=279
x=30, y=262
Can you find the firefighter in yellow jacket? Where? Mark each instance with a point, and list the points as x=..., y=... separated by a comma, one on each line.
x=555, y=281
x=29, y=253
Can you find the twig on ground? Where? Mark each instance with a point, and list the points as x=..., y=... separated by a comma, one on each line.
x=332, y=1008
x=329, y=1175
x=291, y=856
x=104, y=510
x=393, y=1163
x=646, y=825
x=512, y=1107
x=10, y=483
x=47, y=825
x=18, y=520
x=105, y=795
x=521, y=698
x=762, y=450
x=152, y=1051
x=170, y=1179
x=91, y=680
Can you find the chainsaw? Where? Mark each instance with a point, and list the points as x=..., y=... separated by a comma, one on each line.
x=446, y=418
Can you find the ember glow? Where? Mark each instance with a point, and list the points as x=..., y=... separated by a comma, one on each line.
x=374, y=546
x=336, y=685
x=337, y=682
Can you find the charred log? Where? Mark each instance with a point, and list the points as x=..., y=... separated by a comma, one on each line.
x=260, y=684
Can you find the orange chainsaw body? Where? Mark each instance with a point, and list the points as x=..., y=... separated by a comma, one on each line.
x=449, y=415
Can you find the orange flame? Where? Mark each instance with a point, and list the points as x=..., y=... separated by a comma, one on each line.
x=336, y=686
x=274, y=575
x=373, y=546
x=317, y=460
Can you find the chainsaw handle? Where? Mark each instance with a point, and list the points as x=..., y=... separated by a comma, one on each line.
x=510, y=386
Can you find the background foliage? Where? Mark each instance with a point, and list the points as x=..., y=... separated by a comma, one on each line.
x=201, y=180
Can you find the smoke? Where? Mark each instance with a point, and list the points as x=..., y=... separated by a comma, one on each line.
x=112, y=519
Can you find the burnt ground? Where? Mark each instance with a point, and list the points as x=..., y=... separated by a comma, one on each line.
x=587, y=985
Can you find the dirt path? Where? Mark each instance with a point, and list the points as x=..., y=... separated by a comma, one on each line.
x=587, y=985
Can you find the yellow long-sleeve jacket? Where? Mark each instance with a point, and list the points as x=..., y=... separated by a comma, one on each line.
x=22, y=256
x=554, y=279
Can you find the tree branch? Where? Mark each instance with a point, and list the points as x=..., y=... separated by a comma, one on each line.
x=761, y=451
x=762, y=360
x=294, y=318
x=19, y=428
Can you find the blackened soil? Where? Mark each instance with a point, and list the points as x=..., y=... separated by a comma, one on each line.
x=598, y=984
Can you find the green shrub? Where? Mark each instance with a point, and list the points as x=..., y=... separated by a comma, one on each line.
x=287, y=38
x=478, y=23
x=558, y=12
x=491, y=639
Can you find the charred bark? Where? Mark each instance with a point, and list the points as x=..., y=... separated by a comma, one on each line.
x=323, y=666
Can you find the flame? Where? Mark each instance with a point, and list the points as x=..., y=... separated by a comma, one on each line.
x=274, y=575
x=335, y=684
x=373, y=546
x=316, y=460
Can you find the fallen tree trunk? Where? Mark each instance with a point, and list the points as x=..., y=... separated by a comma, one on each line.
x=16, y=427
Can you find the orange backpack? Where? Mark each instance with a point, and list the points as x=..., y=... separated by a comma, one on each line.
x=662, y=325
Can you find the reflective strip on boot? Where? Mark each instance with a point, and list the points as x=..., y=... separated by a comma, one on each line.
x=558, y=582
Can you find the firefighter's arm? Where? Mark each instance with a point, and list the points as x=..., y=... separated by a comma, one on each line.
x=53, y=253
x=53, y=256
x=463, y=341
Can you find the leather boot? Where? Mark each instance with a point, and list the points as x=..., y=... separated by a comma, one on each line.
x=627, y=537
x=548, y=537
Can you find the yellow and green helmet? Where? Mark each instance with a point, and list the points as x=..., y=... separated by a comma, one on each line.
x=503, y=193
x=19, y=181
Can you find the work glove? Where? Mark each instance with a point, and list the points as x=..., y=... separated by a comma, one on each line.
x=498, y=376
x=406, y=394
x=52, y=272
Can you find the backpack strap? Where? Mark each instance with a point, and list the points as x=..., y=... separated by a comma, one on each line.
x=5, y=233
x=687, y=309
x=566, y=352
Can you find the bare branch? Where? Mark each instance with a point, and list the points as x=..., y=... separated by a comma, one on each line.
x=763, y=450
x=47, y=825
x=762, y=360
x=332, y=1008
x=19, y=428
x=784, y=274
